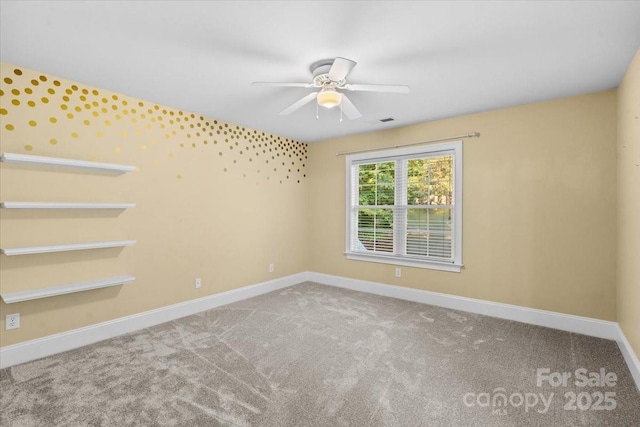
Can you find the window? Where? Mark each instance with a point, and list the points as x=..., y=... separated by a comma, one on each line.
x=404, y=206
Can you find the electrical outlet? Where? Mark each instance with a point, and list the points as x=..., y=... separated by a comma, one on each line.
x=271, y=268
x=398, y=272
x=198, y=283
x=12, y=321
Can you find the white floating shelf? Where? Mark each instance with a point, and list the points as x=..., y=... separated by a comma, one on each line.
x=28, y=159
x=52, y=291
x=63, y=248
x=64, y=205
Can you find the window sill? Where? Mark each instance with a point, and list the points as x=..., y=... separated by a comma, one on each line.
x=431, y=265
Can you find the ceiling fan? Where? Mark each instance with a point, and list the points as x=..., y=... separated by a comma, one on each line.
x=329, y=75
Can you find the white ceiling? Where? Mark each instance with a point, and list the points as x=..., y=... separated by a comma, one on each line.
x=457, y=57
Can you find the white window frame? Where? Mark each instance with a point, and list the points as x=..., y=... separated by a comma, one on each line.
x=352, y=160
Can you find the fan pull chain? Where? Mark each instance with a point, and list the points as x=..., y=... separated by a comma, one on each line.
x=341, y=112
x=317, y=115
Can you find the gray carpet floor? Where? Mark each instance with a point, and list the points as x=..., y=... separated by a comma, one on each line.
x=313, y=355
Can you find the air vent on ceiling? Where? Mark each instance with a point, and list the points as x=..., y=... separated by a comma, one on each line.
x=388, y=119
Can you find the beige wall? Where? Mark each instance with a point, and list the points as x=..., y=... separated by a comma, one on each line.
x=629, y=204
x=539, y=206
x=214, y=200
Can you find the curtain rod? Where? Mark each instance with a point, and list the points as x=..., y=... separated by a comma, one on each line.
x=469, y=135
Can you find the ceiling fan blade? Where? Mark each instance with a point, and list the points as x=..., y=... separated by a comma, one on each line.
x=341, y=68
x=349, y=109
x=293, y=107
x=377, y=88
x=282, y=84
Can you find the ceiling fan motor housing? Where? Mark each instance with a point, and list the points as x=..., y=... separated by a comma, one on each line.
x=320, y=70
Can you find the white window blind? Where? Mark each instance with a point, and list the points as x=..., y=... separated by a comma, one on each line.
x=405, y=205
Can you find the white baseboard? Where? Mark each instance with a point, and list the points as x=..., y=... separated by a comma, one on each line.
x=565, y=322
x=550, y=319
x=35, y=349
x=629, y=356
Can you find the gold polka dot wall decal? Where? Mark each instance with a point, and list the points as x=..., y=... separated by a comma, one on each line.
x=78, y=109
x=117, y=150
x=107, y=123
x=56, y=83
x=69, y=116
x=1, y=92
x=86, y=122
x=87, y=106
x=114, y=107
x=68, y=91
x=83, y=98
x=17, y=72
x=74, y=87
x=123, y=134
x=74, y=134
x=51, y=91
x=141, y=104
x=179, y=176
x=16, y=92
x=99, y=134
x=9, y=127
x=28, y=147
x=85, y=91
x=3, y=111
x=44, y=100
x=143, y=147
x=8, y=81
x=35, y=82
x=53, y=141
x=118, y=116
x=156, y=161
x=15, y=102
x=43, y=78
x=95, y=92
x=95, y=114
x=104, y=110
x=170, y=155
x=31, y=104
x=33, y=123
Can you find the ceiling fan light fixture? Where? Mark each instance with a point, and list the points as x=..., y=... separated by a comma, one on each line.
x=329, y=98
